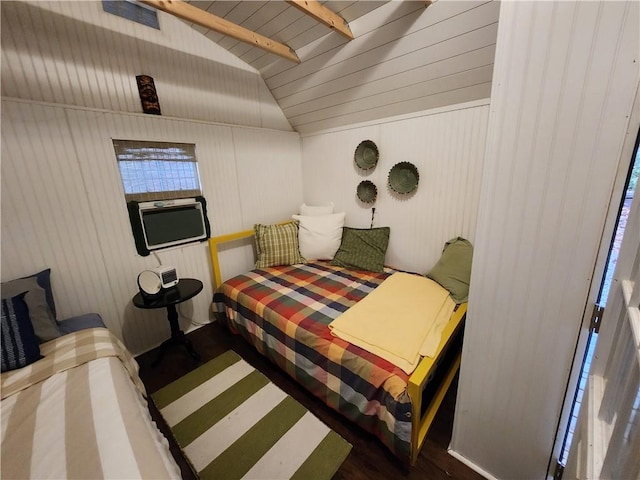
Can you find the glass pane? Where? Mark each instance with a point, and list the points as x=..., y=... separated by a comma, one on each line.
x=158, y=176
x=157, y=170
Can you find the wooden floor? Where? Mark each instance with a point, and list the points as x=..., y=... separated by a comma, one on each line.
x=369, y=459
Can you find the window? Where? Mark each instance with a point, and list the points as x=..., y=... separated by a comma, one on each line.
x=133, y=11
x=157, y=170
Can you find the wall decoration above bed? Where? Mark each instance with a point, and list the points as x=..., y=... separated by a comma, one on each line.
x=403, y=178
x=366, y=155
x=367, y=191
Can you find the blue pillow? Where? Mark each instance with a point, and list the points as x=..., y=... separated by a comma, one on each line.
x=44, y=280
x=20, y=346
x=39, y=299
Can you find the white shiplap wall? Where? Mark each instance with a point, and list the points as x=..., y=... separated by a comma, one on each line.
x=447, y=147
x=68, y=85
x=63, y=205
x=563, y=89
x=74, y=53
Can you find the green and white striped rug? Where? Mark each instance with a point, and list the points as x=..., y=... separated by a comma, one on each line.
x=232, y=422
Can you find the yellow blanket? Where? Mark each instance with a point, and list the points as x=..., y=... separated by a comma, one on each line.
x=400, y=321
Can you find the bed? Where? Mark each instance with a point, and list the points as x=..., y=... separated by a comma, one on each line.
x=72, y=403
x=80, y=412
x=286, y=311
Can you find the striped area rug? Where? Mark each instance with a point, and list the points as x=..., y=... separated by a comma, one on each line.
x=232, y=422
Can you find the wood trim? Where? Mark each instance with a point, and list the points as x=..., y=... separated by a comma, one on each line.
x=322, y=14
x=420, y=423
x=213, y=248
x=185, y=11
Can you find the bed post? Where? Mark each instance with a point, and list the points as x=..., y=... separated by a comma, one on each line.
x=213, y=249
x=420, y=424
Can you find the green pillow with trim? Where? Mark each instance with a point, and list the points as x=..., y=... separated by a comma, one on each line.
x=363, y=248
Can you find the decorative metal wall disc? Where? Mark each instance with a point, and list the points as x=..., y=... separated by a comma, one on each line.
x=366, y=155
x=403, y=177
x=367, y=191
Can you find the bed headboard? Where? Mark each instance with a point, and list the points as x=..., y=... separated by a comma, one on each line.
x=230, y=237
x=213, y=249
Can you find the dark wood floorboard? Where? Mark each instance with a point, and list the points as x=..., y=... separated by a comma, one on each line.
x=369, y=459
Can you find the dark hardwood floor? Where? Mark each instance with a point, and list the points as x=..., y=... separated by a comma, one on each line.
x=369, y=459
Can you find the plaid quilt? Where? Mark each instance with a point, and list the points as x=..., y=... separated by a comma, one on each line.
x=285, y=312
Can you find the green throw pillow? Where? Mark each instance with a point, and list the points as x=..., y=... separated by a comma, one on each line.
x=277, y=245
x=363, y=248
x=453, y=270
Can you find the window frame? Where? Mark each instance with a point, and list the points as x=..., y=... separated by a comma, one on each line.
x=153, y=180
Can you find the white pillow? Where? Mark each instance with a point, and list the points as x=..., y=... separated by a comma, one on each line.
x=316, y=210
x=319, y=236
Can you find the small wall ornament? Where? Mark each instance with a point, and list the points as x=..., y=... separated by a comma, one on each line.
x=148, y=95
x=403, y=178
x=367, y=191
x=366, y=155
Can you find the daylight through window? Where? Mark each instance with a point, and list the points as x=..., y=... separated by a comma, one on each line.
x=157, y=170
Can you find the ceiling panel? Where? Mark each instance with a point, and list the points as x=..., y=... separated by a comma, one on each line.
x=410, y=54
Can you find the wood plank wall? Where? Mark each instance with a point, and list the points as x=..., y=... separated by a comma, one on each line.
x=447, y=147
x=566, y=75
x=63, y=205
x=74, y=53
x=68, y=86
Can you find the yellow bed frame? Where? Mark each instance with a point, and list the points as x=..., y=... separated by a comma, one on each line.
x=418, y=379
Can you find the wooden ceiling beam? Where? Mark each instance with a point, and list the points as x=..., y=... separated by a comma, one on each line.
x=181, y=9
x=322, y=14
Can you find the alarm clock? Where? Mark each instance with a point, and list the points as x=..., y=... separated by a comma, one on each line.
x=151, y=282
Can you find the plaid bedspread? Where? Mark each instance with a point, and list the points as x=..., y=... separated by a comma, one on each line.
x=285, y=312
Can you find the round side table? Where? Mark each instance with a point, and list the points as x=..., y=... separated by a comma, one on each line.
x=186, y=289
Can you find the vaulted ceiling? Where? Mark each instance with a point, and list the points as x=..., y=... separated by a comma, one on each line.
x=405, y=56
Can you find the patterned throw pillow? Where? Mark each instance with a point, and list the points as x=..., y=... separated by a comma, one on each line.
x=20, y=346
x=363, y=248
x=277, y=245
x=39, y=299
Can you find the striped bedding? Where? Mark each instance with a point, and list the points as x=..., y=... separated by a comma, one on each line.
x=80, y=413
x=285, y=312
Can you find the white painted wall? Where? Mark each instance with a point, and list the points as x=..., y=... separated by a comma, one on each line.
x=564, y=81
x=563, y=89
x=63, y=205
x=74, y=53
x=446, y=145
x=68, y=85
